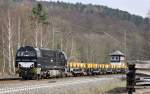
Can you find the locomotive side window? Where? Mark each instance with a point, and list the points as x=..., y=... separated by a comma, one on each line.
x=46, y=53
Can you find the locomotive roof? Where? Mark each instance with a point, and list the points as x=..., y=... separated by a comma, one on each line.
x=40, y=49
x=25, y=48
x=48, y=49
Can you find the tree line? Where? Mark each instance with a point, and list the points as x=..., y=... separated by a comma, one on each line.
x=87, y=33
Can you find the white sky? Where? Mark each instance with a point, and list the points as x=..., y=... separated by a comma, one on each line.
x=138, y=7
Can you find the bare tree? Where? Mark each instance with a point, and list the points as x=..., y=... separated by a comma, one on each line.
x=8, y=51
x=19, y=32
x=9, y=28
x=3, y=43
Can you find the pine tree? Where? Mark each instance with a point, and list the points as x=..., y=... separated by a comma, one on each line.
x=39, y=16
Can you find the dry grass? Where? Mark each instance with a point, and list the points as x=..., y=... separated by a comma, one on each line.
x=109, y=87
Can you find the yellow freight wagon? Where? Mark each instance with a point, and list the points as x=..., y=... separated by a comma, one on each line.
x=89, y=65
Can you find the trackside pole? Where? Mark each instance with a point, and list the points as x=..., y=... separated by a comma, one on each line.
x=131, y=78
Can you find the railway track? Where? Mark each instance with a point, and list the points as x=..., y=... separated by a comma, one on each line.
x=9, y=77
x=22, y=87
x=3, y=80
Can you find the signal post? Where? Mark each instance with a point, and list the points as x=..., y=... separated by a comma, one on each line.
x=131, y=78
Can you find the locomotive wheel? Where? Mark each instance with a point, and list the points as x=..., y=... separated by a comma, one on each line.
x=24, y=78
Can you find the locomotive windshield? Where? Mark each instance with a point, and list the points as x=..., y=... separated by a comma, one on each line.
x=26, y=53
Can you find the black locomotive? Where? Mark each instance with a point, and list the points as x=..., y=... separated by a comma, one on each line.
x=33, y=62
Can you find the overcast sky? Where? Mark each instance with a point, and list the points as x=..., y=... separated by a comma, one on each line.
x=138, y=7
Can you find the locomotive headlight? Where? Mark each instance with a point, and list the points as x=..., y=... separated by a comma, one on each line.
x=52, y=60
x=26, y=64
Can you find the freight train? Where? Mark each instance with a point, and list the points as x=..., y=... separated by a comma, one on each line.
x=35, y=63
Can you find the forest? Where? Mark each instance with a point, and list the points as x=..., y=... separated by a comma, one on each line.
x=86, y=33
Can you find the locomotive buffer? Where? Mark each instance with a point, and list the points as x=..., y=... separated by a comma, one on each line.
x=38, y=71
